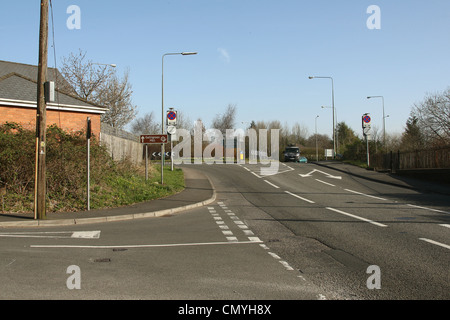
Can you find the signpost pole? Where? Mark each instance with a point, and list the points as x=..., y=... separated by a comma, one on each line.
x=146, y=162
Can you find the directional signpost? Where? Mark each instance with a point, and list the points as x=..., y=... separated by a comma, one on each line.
x=152, y=139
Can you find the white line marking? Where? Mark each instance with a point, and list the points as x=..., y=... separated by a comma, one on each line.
x=254, y=239
x=275, y=186
x=86, y=235
x=145, y=245
x=294, y=195
x=315, y=170
x=248, y=232
x=356, y=217
x=232, y=239
x=435, y=242
x=227, y=233
x=367, y=195
x=326, y=183
x=54, y=235
x=286, y=265
x=255, y=175
x=264, y=246
x=274, y=255
x=445, y=225
x=435, y=210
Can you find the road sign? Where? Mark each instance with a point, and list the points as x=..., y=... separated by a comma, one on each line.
x=171, y=118
x=171, y=130
x=366, y=120
x=154, y=139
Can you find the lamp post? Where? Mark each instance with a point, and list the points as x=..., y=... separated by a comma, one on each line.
x=105, y=64
x=317, y=150
x=384, y=121
x=162, y=107
x=332, y=99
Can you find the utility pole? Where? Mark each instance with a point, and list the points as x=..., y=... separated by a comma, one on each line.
x=41, y=116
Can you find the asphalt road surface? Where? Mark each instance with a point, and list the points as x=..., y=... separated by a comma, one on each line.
x=302, y=233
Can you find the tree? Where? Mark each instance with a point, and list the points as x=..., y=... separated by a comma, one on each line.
x=146, y=125
x=116, y=95
x=433, y=116
x=99, y=84
x=226, y=120
x=413, y=138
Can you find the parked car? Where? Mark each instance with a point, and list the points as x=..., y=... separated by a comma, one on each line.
x=303, y=160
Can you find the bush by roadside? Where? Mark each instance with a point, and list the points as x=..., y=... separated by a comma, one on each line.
x=112, y=183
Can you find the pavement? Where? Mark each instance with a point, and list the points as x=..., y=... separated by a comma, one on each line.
x=199, y=191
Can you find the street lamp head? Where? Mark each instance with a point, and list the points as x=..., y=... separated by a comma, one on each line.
x=188, y=53
x=113, y=65
x=310, y=77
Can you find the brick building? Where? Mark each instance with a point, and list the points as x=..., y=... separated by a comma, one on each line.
x=18, y=96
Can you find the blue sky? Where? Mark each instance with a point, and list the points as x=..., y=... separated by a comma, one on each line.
x=256, y=54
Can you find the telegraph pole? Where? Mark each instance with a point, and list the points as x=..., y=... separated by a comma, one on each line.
x=41, y=116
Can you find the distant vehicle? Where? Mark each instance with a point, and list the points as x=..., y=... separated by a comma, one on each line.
x=303, y=160
x=292, y=154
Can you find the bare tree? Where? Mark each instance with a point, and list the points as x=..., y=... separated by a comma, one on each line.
x=82, y=77
x=226, y=120
x=116, y=95
x=99, y=84
x=146, y=125
x=433, y=117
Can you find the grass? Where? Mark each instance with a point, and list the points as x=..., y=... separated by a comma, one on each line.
x=131, y=187
x=112, y=183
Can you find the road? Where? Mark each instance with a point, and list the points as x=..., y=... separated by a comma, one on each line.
x=304, y=233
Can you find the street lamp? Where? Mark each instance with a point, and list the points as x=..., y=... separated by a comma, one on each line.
x=332, y=98
x=105, y=64
x=162, y=107
x=317, y=150
x=384, y=121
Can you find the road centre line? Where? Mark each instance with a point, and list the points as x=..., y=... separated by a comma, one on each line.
x=367, y=195
x=304, y=199
x=356, y=217
x=435, y=242
x=275, y=186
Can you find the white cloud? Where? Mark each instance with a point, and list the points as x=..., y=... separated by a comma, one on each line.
x=224, y=55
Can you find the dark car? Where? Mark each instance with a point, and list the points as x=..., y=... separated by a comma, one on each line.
x=292, y=154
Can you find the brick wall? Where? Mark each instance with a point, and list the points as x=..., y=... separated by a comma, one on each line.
x=67, y=120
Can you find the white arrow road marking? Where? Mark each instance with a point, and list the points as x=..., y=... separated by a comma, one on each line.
x=326, y=174
x=54, y=235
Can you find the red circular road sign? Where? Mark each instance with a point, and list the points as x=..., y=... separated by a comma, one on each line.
x=171, y=115
x=366, y=119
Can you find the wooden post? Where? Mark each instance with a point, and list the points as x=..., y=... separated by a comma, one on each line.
x=41, y=116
